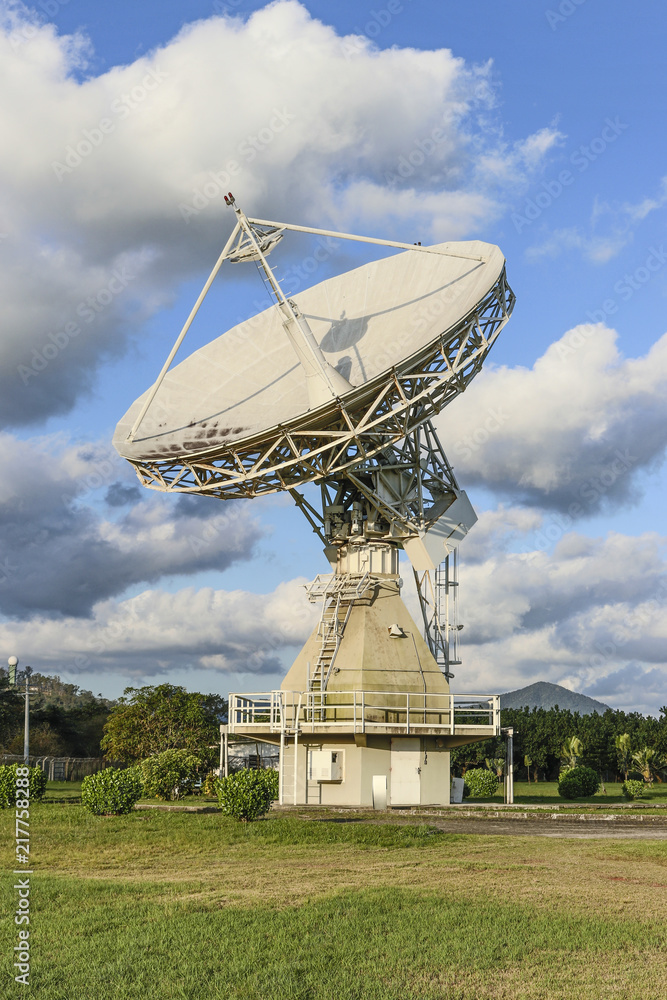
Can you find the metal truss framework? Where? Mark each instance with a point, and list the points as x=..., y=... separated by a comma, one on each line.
x=389, y=498
x=342, y=435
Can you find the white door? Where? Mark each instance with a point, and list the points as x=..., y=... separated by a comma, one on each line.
x=405, y=771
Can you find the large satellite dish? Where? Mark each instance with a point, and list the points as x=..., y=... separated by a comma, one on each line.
x=402, y=337
x=338, y=386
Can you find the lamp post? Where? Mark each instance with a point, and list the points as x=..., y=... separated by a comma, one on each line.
x=14, y=678
x=509, y=765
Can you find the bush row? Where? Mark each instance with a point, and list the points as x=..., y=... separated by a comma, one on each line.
x=167, y=776
x=245, y=795
x=539, y=734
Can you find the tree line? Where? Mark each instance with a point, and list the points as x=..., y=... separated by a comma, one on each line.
x=540, y=734
x=65, y=721
x=68, y=722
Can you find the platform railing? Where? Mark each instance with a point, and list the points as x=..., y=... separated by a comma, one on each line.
x=364, y=712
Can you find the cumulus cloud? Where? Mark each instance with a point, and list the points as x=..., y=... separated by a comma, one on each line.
x=119, y=495
x=228, y=632
x=113, y=183
x=61, y=554
x=112, y=198
x=497, y=529
x=571, y=434
x=527, y=591
x=592, y=616
x=630, y=684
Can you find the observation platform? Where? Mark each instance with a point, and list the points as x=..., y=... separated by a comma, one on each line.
x=344, y=715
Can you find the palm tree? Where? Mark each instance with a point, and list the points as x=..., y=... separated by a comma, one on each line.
x=570, y=752
x=650, y=764
x=623, y=754
x=496, y=764
x=528, y=762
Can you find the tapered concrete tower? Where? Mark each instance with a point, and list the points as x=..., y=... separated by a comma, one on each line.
x=366, y=639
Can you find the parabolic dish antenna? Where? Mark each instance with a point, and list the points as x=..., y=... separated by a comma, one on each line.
x=336, y=385
x=405, y=335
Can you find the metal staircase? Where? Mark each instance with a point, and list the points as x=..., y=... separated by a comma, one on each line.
x=338, y=594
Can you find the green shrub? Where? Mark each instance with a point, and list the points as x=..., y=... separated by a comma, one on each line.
x=111, y=792
x=247, y=794
x=34, y=790
x=170, y=774
x=578, y=783
x=633, y=789
x=482, y=783
x=208, y=785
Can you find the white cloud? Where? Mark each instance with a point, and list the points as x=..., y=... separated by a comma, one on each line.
x=590, y=614
x=112, y=196
x=511, y=164
x=633, y=685
x=612, y=226
x=572, y=433
x=530, y=590
x=533, y=149
x=113, y=183
x=497, y=529
x=591, y=617
x=597, y=249
x=155, y=633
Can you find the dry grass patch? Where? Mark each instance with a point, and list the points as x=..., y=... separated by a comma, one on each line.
x=283, y=861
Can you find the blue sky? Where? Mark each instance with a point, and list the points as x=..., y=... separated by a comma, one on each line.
x=553, y=148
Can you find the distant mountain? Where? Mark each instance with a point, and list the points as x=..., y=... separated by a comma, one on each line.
x=544, y=695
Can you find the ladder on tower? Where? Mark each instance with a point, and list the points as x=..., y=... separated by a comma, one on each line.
x=288, y=762
x=447, y=611
x=338, y=595
x=438, y=598
x=288, y=774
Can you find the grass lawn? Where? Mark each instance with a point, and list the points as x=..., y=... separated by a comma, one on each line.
x=69, y=790
x=546, y=793
x=155, y=906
